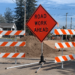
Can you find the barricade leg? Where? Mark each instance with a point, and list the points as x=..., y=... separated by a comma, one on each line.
x=15, y=50
x=22, y=65
x=62, y=52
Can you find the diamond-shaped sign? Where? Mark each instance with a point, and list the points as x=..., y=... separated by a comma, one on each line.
x=41, y=23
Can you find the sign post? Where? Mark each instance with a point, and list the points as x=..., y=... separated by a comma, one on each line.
x=42, y=57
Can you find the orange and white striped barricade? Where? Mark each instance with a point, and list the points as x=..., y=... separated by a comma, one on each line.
x=12, y=55
x=15, y=32
x=64, y=32
x=64, y=58
x=13, y=43
x=64, y=44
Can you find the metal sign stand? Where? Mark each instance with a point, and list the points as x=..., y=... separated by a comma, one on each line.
x=42, y=57
x=42, y=62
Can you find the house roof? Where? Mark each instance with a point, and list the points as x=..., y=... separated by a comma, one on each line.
x=6, y=25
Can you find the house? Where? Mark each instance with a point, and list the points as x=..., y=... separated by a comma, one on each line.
x=7, y=26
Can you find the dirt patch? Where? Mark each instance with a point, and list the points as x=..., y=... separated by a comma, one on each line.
x=33, y=48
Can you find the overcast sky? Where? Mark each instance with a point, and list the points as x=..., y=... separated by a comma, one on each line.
x=56, y=8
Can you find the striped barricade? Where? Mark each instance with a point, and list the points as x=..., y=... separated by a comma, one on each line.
x=19, y=32
x=64, y=58
x=64, y=45
x=13, y=43
x=64, y=32
x=12, y=55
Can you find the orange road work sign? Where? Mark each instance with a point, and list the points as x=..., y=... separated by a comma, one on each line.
x=41, y=23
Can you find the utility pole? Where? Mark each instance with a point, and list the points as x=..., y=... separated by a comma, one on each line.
x=66, y=20
x=25, y=17
x=66, y=24
x=71, y=23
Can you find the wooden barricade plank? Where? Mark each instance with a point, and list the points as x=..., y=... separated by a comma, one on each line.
x=64, y=32
x=12, y=55
x=64, y=45
x=64, y=58
x=13, y=43
x=15, y=32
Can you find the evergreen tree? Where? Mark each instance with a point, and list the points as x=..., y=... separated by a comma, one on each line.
x=30, y=7
x=19, y=14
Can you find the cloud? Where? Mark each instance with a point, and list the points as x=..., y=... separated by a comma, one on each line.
x=55, y=1
x=63, y=1
x=44, y=1
x=72, y=5
x=40, y=1
x=7, y=1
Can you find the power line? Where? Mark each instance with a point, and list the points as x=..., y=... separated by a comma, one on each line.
x=61, y=15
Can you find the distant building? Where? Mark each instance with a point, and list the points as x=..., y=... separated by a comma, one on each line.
x=7, y=26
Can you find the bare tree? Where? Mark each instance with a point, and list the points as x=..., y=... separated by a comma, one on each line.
x=2, y=19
